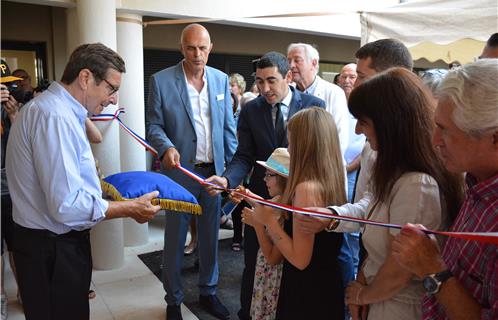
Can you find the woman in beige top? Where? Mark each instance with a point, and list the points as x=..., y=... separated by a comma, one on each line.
x=408, y=184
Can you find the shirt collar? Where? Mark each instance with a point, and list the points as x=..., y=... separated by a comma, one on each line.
x=79, y=110
x=185, y=75
x=311, y=89
x=288, y=98
x=483, y=189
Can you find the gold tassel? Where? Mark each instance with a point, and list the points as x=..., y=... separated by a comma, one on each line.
x=165, y=204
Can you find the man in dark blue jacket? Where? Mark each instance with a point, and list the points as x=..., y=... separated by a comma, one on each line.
x=262, y=129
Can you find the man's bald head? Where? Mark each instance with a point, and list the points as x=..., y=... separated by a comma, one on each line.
x=349, y=67
x=347, y=78
x=194, y=29
x=195, y=46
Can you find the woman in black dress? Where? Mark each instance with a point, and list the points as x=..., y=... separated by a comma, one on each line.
x=311, y=286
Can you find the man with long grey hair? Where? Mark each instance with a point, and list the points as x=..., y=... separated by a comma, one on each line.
x=462, y=280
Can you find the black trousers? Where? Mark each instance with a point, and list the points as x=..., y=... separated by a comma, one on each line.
x=237, y=222
x=251, y=247
x=7, y=222
x=54, y=273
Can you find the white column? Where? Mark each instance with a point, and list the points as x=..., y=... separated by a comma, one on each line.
x=131, y=97
x=73, y=32
x=95, y=21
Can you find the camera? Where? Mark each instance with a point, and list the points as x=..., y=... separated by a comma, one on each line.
x=18, y=93
x=42, y=86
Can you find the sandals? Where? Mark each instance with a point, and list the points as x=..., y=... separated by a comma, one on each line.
x=190, y=248
x=226, y=223
x=91, y=294
x=236, y=247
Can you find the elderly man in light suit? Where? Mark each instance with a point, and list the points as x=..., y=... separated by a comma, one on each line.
x=304, y=62
x=190, y=122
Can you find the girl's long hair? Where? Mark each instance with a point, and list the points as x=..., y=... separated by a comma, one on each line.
x=315, y=156
x=402, y=112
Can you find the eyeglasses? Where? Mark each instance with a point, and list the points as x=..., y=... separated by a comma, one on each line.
x=113, y=88
x=267, y=175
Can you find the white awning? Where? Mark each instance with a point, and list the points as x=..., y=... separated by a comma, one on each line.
x=450, y=30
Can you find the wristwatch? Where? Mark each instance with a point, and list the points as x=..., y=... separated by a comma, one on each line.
x=432, y=282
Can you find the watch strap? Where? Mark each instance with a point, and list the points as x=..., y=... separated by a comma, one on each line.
x=443, y=275
x=433, y=282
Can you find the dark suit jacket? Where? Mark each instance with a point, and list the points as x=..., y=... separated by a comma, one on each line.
x=257, y=139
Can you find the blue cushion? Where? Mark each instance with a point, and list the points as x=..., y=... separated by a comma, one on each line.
x=133, y=184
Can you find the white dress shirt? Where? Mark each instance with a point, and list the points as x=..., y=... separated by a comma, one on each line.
x=51, y=172
x=356, y=142
x=202, y=120
x=336, y=104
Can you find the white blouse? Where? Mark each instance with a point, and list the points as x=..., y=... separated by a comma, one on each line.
x=414, y=199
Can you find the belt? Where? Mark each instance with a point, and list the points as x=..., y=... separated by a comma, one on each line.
x=203, y=164
x=73, y=234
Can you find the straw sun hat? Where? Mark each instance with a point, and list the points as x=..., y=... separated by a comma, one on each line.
x=278, y=162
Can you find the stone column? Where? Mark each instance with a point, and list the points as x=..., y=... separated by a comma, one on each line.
x=95, y=21
x=131, y=97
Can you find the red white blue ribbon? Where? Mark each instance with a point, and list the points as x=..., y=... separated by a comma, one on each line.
x=487, y=237
x=133, y=134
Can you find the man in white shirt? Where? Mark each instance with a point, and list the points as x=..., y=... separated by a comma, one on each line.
x=190, y=122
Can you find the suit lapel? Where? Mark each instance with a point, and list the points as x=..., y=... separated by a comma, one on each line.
x=181, y=85
x=212, y=95
x=296, y=103
x=318, y=90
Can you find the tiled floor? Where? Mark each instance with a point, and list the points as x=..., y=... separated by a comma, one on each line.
x=131, y=292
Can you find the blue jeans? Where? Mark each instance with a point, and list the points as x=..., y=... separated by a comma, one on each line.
x=353, y=238
x=348, y=257
x=208, y=225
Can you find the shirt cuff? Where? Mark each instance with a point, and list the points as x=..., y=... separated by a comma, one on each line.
x=99, y=209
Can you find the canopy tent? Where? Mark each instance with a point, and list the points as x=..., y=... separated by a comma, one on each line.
x=450, y=30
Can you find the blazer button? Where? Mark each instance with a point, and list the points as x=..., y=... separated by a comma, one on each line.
x=195, y=140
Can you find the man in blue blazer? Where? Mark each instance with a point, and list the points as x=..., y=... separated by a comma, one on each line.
x=258, y=136
x=190, y=121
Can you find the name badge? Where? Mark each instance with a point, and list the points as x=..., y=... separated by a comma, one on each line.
x=220, y=97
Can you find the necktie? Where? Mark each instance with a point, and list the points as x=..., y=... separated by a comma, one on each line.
x=280, y=127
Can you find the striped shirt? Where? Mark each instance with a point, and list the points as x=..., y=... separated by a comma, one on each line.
x=473, y=263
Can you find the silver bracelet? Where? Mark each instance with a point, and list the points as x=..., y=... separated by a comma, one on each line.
x=334, y=223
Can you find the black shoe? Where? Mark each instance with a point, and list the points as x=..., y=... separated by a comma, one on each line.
x=213, y=306
x=173, y=313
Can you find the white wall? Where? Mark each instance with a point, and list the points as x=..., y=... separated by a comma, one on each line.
x=26, y=22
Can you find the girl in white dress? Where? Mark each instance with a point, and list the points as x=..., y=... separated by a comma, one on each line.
x=268, y=272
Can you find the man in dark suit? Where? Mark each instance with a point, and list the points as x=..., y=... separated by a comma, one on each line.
x=190, y=121
x=262, y=129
